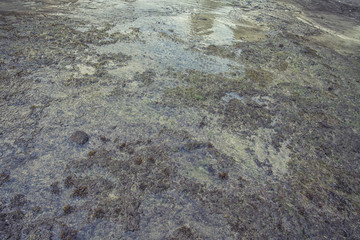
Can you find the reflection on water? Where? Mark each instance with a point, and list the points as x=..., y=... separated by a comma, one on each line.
x=207, y=21
x=198, y=24
x=210, y=21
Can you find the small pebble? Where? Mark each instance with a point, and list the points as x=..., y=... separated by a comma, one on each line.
x=79, y=137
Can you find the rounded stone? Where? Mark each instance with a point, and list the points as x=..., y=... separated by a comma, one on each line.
x=79, y=137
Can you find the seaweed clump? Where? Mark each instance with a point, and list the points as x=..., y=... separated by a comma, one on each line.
x=4, y=177
x=18, y=200
x=67, y=233
x=81, y=191
x=54, y=188
x=259, y=76
x=69, y=182
x=147, y=77
x=68, y=209
x=184, y=232
x=99, y=213
x=223, y=175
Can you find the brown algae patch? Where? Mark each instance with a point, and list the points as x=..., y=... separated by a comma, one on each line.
x=247, y=31
x=259, y=76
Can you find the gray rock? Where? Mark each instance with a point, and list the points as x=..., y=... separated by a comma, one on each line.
x=79, y=137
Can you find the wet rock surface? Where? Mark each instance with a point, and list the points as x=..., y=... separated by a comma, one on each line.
x=208, y=120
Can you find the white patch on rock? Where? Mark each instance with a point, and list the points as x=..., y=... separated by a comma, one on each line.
x=86, y=70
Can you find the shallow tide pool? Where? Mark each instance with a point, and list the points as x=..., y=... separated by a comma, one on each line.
x=198, y=119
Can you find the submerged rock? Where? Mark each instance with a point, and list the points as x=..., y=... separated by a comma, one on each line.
x=79, y=137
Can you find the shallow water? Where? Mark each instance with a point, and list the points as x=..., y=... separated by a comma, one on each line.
x=206, y=120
